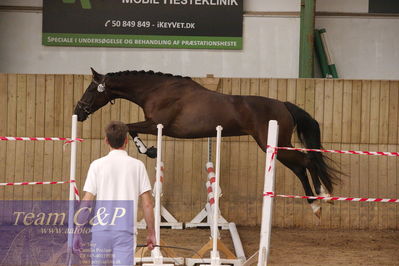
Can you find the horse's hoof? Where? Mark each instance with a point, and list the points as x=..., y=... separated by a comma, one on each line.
x=316, y=209
x=151, y=152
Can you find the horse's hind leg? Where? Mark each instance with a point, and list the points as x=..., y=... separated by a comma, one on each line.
x=145, y=127
x=319, y=189
x=298, y=163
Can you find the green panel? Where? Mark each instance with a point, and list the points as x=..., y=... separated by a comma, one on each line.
x=306, y=47
x=144, y=41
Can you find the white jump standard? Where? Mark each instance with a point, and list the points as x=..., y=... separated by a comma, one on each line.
x=214, y=219
x=156, y=258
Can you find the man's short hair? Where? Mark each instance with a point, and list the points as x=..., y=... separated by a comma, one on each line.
x=116, y=133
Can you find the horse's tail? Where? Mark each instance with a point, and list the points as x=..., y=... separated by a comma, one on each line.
x=308, y=131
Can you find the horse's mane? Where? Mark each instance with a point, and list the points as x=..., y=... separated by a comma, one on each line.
x=142, y=72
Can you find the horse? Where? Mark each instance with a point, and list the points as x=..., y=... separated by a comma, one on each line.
x=188, y=110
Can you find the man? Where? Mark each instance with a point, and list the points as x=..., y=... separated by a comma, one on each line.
x=118, y=177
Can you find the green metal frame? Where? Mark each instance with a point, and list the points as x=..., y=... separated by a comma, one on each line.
x=306, y=46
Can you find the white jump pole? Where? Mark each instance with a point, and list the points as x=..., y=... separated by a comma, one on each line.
x=265, y=230
x=72, y=174
x=156, y=253
x=215, y=257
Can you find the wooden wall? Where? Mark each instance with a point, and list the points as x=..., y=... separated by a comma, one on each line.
x=353, y=114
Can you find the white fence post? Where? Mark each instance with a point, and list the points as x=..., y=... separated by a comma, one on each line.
x=72, y=175
x=157, y=256
x=267, y=211
x=215, y=257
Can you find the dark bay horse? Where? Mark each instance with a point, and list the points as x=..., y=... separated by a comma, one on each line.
x=188, y=110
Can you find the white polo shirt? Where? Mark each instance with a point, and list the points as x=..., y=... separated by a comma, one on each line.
x=117, y=176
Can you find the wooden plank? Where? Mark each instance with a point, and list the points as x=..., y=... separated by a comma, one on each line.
x=12, y=105
x=310, y=96
x=3, y=129
x=30, y=131
x=21, y=131
x=59, y=105
x=57, y=157
x=264, y=87
x=263, y=91
x=356, y=111
x=10, y=169
x=374, y=110
x=233, y=197
x=373, y=181
x=39, y=132
x=289, y=178
x=364, y=191
x=365, y=112
x=347, y=111
x=354, y=211
x=319, y=104
x=345, y=187
x=279, y=203
x=384, y=113
x=392, y=172
x=335, y=210
x=178, y=179
x=252, y=167
x=337, y=111
x=68, y=103
x=393, y=136
x=3, y=103
x=328, y=111
x=49, y=107
x=244, y=90
x=382, y=187
x=48, y=170
x=198, y=182
x=21, y=105
x=187, y=191
x=3, y=163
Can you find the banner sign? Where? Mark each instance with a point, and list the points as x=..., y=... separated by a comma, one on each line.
x=203, y=24
x=43, y=232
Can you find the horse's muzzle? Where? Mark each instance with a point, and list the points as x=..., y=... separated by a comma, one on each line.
x=81, y=113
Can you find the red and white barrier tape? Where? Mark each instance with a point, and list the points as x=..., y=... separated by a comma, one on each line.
x=37, y=183
x=67, y=140
x=43, y=183
x=380, y=153
x=271, y=194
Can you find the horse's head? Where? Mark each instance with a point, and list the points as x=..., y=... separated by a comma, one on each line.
x=95, y=97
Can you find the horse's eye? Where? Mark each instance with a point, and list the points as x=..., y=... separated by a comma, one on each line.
x=100, y=88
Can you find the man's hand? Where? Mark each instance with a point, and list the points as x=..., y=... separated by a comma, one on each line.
x=77, y=244
x=148, y=208
x=151, y=241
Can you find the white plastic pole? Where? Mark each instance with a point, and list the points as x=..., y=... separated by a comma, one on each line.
x=72, y=174
x=215, y=258
x=157, y=212
x=266, y=226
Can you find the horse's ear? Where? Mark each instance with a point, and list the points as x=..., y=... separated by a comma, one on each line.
x=97, y=77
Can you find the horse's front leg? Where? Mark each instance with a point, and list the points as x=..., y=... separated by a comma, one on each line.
x=144, y=127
